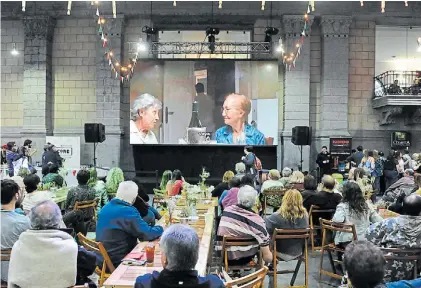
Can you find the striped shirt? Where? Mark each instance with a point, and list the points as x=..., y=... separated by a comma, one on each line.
x=237, y=221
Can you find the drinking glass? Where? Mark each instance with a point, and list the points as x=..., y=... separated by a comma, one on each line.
x=150, y=252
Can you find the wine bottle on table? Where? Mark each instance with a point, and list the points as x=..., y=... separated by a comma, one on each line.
x=195, y=121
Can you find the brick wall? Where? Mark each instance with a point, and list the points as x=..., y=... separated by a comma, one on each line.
x=74, y=72
x=11, y=74
x=361, y=72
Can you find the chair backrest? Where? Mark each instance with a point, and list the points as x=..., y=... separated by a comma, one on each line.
x=229, y=241
x=5, y=254
x=316, y=210
x=338, y=227
x=94, y=246
x=279, y=234
x=277, y=192
x=89, y=205
x=252, y=280
x=411, y=255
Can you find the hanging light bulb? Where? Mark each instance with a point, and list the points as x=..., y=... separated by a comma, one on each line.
x=312, y=6
x=220, y=4
x=383, y=6
x=114, y=9
x=362, y=3
x=174, y=3
x=23, y=6
x=69, y=7
x=419, y=44
x=406, y=3
x=14, y=52
x=263, y=5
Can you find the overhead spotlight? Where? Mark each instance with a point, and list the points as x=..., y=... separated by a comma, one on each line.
x=149, y=32
x=269, y=32
x=14, y=52
x=210, y=33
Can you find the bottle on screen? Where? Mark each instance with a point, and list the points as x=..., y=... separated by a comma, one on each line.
x=195, y=121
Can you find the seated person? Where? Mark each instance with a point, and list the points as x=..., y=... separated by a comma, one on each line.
x=354, y=210
x=406, y=185
x=241, y=221
x=12, y=223
x=180, y=252
x=399, y=232
x=240, y=169
x=229, y=197
x=273, y=180
x=120, y=225
x=297, y=181
x=33, y=196
x=325, y=199
x=291, y=215
x=53, y=176
x=76, y=218
x=44, y=243
x=147, y=212
x=175, y=186
x=310, y=190
x=394, y=88
x=364, y=264
x=286, y=175
x=101, y=195
x=221, y=187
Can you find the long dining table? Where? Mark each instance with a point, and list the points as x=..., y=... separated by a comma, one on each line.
x=125, y=275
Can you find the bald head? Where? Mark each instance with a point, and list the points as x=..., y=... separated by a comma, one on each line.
x=412, y=205
x=328, y=182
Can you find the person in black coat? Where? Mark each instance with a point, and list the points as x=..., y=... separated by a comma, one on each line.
x=323, y=160
x=52, y=156
x=221, y=187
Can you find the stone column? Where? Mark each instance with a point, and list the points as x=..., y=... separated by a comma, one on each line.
x=37, y=80
x=108, y=94
x=334, y=80
x=297, y=92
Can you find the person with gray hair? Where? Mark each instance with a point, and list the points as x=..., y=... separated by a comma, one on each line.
x=401, y=188
x=242, y=222
x=43, y=248
x=180, y=253
x=144, y=115
x=120, y=225
x=240, y=169
x=286, y=175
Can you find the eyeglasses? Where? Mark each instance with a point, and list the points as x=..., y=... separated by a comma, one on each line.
x=227, y=109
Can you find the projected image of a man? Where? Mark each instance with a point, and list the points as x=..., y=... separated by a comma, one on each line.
x=237, y=131
x=144, y=117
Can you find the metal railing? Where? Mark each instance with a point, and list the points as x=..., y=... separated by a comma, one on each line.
x=397, y=83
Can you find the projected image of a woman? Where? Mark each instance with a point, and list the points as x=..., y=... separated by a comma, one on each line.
x=144, y=117
x=237, y=131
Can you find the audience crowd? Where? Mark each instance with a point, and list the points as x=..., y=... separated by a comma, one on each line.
x=254, y=203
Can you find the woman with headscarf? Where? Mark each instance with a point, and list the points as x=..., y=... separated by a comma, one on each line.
x=235, y=110
x=101, y=195
x=114, y=177
x=144, y=118
x=53, y=176
x=166, y=177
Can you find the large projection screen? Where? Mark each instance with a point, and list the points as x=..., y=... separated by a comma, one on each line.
x=249, y=117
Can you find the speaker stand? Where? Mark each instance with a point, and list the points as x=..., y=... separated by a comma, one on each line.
x=95, y=144
x=300, y=167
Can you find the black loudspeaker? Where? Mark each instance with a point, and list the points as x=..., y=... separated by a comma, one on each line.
x=301, y=135
x=94, y=133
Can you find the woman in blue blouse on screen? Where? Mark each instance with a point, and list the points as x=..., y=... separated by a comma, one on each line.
x=236, y=130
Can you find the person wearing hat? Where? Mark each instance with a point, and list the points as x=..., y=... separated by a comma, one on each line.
x=273, y=180
x=120, y=225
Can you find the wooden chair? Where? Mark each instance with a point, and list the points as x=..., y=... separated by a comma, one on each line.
x=406, y=255
x=5, y=256
x=250, y=281
x=298, y=235
x=271, y=192
x=89, y=204
x=107, y=266
x=314, y=210
x=228, y=242
x=331, y=247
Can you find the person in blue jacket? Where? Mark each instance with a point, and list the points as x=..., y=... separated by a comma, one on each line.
x=120, y=225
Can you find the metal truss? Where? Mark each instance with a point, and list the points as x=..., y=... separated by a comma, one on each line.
x=254, y=50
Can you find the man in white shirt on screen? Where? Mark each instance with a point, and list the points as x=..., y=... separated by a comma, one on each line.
x=144, y=117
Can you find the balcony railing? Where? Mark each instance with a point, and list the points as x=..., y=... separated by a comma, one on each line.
x=397, y=83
